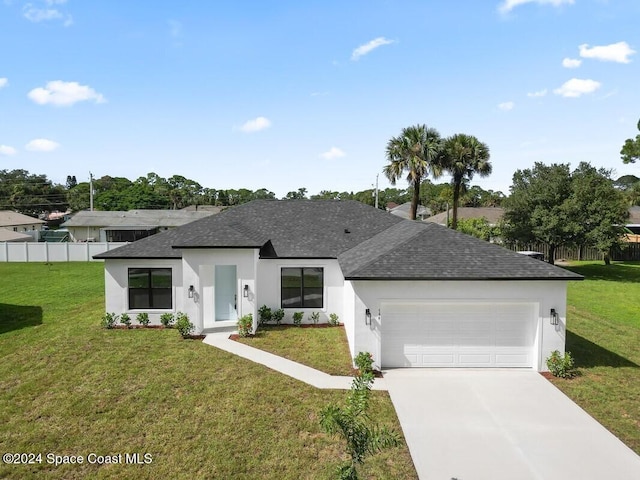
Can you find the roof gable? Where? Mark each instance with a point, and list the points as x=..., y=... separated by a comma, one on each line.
x=10, y=218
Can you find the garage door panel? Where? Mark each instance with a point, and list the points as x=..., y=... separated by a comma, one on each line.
x=458, y=335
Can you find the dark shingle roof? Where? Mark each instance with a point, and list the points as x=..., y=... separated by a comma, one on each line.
x=296, y=229
x=433, y=252
x=368, y=243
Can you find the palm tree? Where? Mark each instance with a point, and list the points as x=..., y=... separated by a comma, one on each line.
x=462, y=157
x=416, y=151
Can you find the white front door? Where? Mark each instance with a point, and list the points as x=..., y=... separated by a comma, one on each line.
x=226, y=293
x=458, y=334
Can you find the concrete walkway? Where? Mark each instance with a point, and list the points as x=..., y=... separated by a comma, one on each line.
x=293, y=369
x=500, y=424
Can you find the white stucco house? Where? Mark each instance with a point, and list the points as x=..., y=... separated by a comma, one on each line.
x=413, y=294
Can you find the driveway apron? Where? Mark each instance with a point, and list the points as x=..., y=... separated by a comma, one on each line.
x=469, y=424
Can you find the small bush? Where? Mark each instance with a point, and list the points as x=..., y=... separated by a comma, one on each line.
x=297, y=318
x=264, y=314
x=184, y=326
x=561, y=365
x=125, y=319
x=143, y=319
x=278, y=315
x=364, y=363
x=334, y=320
x=314, y=317
x=167, y=319
x=245, y=325
x=109, y=320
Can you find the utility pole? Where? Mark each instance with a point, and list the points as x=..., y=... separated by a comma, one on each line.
x=91, y=191
x=377, y=190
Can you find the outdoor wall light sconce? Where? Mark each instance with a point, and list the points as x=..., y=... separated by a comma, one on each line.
x=367, y=317
x=190, y=291
x=245, y=291
x=554, y=317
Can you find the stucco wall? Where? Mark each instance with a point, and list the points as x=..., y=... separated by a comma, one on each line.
x=116, y=279
x=199, y=271
x=269, y=283
x=545, y=294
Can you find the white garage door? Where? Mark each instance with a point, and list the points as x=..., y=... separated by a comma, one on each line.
x=458, y=335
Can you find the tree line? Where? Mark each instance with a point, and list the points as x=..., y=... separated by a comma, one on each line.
x=35, y=194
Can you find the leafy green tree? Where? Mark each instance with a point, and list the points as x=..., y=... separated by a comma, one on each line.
x=463, y=156
x=479, y=228
x=537, y=210
x=416, y=152
x=30, y=194
x=301, y=194
x=630, y=152
x=183, y=191
x=263, y=194
x=552, y=205
x=78, y=197
x=598, y=207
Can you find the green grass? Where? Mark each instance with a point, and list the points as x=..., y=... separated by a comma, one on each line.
x=324, y=349
x=69, y=387
x=604, y=337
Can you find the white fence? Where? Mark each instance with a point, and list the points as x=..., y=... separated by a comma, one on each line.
x=53, y=252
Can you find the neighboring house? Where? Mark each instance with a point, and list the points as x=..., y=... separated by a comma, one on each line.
x=633, y=224
x=119, y=226
x=492, y=214
x=19, y=223
x=404, y=211
x=7, y=235
x=413, y=294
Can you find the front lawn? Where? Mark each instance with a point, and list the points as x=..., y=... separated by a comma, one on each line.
x=325, y=349
x=604, y=337
x=69, y=387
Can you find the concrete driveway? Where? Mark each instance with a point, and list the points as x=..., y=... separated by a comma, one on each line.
x=501, y=424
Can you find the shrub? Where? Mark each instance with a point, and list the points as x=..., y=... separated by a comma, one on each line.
x=167, y=319
x=364, y=362
x=245, y=325
x=353, y=423
x=264, y=314
x=561, y=365
x=125, y=319
x=297, y=318
x=334, y=320
x=278, y=315
x=314, y=317
x=109, y=320
x=184, y=326
x=143, y=319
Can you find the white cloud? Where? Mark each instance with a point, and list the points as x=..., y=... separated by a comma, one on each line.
x=506, y=106
x=332, y=153
x=508, y=5
x=35, y=14
x=64, y=94
x=577, y=87
x=539, y=93
x=571, y=63
x=255, y=125
x=6, y=150
x=368, y=47
x=616, y=52
x=42, y=145
x=4, y=82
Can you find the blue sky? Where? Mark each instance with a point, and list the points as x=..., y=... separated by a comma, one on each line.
x=288, y=94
